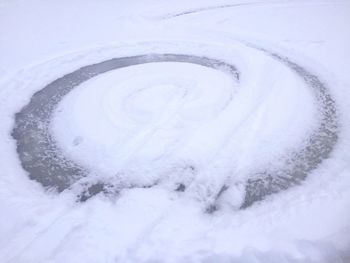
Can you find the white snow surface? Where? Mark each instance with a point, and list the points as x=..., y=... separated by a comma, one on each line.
x=149, y=122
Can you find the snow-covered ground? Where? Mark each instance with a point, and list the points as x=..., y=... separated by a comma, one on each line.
x=163, y=124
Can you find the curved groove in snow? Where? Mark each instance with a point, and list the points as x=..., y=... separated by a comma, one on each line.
x=38, y=151
x=41, y=157
x=299, y=164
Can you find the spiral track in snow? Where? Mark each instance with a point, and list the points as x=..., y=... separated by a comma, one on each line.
x=41, y=156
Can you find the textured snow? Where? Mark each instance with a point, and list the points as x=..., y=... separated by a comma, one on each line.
x=98, y=122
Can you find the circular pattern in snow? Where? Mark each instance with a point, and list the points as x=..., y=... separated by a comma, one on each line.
x=183, y=121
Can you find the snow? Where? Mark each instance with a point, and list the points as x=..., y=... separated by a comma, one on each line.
x=153, y=121
x=146, y=117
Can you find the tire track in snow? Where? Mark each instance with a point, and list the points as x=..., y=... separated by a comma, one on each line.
x=38, y=151
x=209, y=8
x=242, y=4
x=301, y=163
x=44, y=161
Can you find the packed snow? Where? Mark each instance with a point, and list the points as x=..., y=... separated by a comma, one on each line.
x=157, y=126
